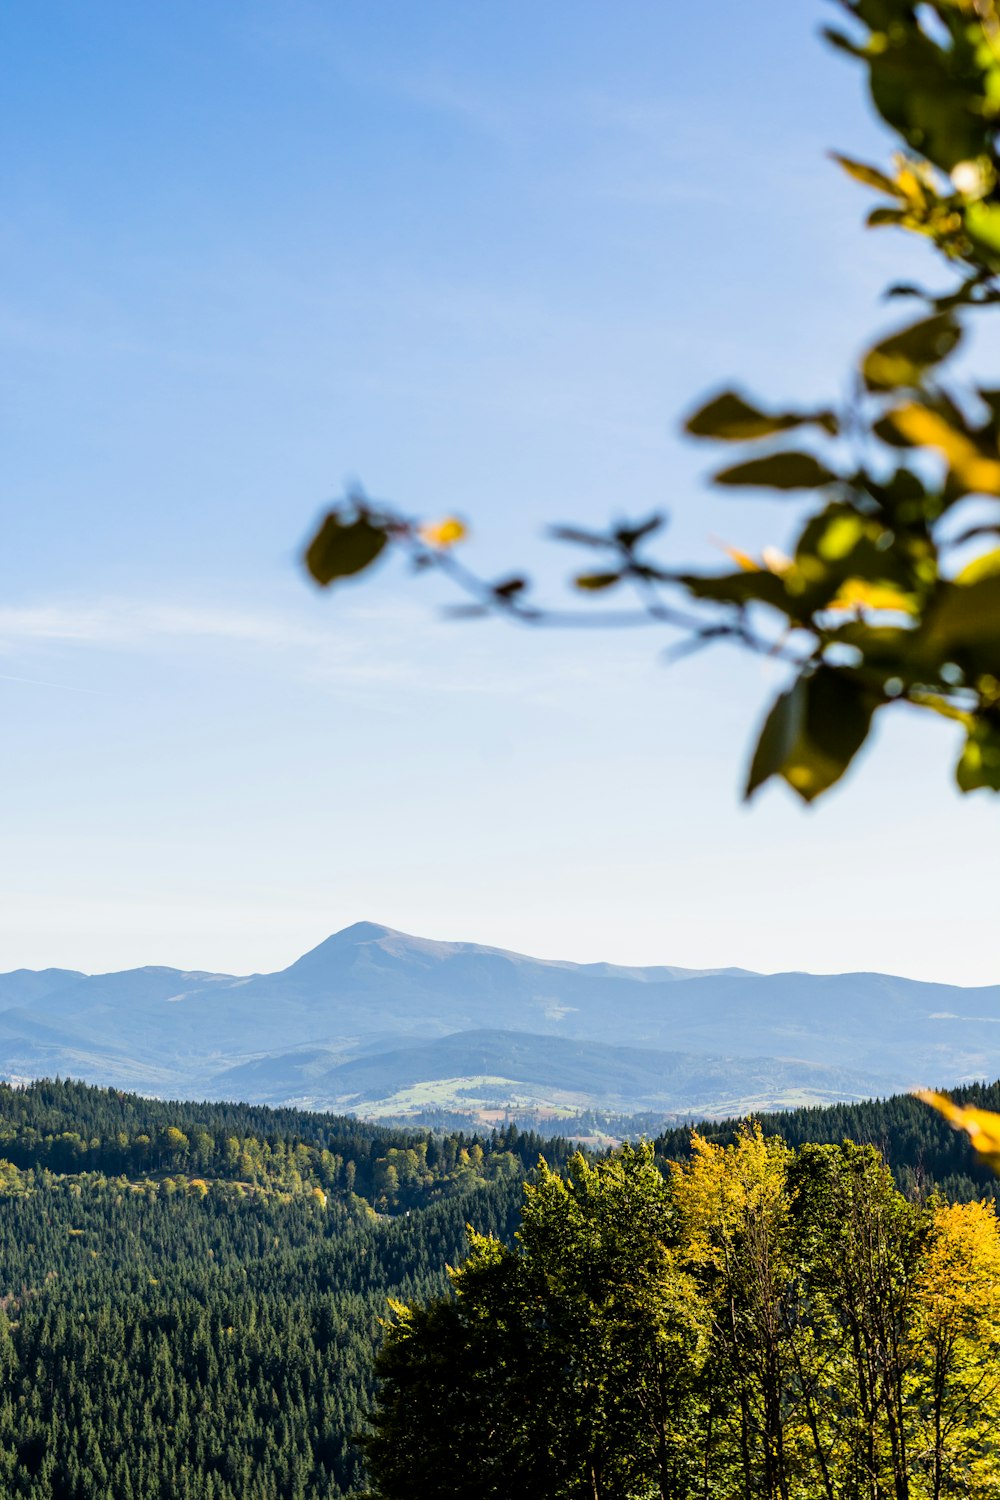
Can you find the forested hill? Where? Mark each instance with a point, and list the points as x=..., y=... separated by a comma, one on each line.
x=68, y=1127
x=191, y=1295
x=924, y=1152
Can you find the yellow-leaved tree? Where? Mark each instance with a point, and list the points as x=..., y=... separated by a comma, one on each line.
x=953, y=1385
x=756, y=1324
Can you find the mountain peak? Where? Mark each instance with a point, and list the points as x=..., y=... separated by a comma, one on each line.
x=362, y=932
x=340, y=943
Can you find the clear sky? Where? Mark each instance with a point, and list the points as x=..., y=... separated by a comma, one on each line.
x=482, y=257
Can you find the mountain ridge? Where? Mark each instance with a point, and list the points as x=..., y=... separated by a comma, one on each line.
x=369, y=991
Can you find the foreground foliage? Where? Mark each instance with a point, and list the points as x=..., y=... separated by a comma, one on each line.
x=758, y=1322
x=890, y=592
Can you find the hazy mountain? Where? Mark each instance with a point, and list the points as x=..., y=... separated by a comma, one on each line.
x=370, y=993
x=499, y=1066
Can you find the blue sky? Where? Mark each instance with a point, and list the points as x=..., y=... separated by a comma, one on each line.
x=482, y=257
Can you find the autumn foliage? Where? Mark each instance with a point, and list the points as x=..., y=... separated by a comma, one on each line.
x=757, y=1323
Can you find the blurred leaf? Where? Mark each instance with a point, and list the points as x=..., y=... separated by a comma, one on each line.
x=965, y=621
x=743, y=560
x=862, y=594
x=756, y=586
x=731, y=419
x=812, y=733
x=982, y=224
x=986, y=566
x=979, y=764
x=980, y=1125
x=870, y=176
x=596, y=581
x=903, y=358
x=917, y=91
x=779, y=736
x=922, y=427
x=781, y=471
x=840, y=548
x=443, y=534
x=886, y=650
x=341, y=548
x=880, y=216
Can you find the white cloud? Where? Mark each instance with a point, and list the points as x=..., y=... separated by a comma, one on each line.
x=129, y=624
x=368, y=645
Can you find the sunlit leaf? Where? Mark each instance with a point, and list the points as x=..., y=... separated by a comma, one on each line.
x=743, y=560
x=982, y=1126
x=780, y=471
x=444, y=533
x=903, y=358
x=921, y=427
x=870, y=176
x=341, y=548
x=986, y=566
x=861, y=594
x=982, y=224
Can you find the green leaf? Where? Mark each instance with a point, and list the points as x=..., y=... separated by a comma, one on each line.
x=979, y=763
x=778, y=737
x=843, y=547
x=880, y=216
x=982, y=224
x=812, y=733
x=731, y=419
x=342, y=548
x=918, y=91
x=965, y=622
x=758, y=587
x=902, y=359
x=781, y=471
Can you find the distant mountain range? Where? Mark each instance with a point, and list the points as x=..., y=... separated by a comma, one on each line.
x=377, y=1022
